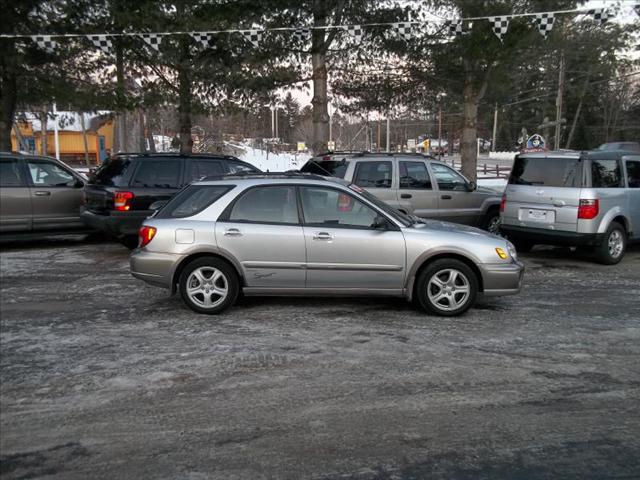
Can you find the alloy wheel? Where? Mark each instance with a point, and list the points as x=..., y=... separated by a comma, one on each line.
x=448, y=289
x=615, y=244
x=207, y=287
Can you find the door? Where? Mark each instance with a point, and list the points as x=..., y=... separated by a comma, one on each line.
x=377, y=177
x=262, y=231
x=633, y=195
x=56, y=196
x=15, y=197
x=415, y=191
x=455, y=202
x=343, y=249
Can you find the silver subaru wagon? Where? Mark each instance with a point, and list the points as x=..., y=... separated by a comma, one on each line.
x=301, y=234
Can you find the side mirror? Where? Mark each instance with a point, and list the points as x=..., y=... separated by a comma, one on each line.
x=379, y=223
x=155, y=206
x=471, y=186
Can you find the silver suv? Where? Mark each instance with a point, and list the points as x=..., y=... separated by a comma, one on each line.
x=587, y=199
x=300, y=234
x=415, y=184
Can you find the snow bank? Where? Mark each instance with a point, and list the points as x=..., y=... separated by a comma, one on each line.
x=274, y=162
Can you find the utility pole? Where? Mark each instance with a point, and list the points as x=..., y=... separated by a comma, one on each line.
x=495, y=128
x=56, y=140
x=388, y=133
x=440, y=132
x=556, y=142
x=378, y=143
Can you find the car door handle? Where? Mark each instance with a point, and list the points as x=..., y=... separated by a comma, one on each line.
x=406, y=195
x=232, y=232
x=41, y=193
x=446, y=197
x=322, y=236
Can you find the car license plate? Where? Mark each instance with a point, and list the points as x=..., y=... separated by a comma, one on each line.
x=538, y=215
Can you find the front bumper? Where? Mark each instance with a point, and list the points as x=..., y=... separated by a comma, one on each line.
x=117, y=224
x=154, y=268
x=502, y=279
x=551, y=237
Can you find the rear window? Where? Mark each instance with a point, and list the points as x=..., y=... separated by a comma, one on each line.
x=112, y=172
x=326, y=168
x=550, y=172
x=158, y=174
x=193, y=199
x=606, y=174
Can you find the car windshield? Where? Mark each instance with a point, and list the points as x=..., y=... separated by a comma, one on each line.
x=405, y=220
x=550, y=172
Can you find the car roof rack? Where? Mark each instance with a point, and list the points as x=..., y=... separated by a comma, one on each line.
x=176, y=155
x=273, y=175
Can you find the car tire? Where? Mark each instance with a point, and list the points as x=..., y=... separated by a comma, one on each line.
x=613, y=246
x=447, y=287
x=491, y=222
x=209, y=285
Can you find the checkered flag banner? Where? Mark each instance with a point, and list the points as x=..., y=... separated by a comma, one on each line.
x=302, y=34
x=101, y=42
x=404, y=29
x=253, y=36
x=355, y=31
x=545, y=23
x=500, y=26
x=600, y=15
x=152, y=39
x=204, y=39
x=455, y=27
x=45, y=42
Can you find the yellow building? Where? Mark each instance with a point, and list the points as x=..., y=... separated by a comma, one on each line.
x=99, y=132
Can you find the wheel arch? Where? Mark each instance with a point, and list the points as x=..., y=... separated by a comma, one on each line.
x=439, y=256
x=201, y=254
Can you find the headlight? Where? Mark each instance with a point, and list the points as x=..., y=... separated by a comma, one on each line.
x=512, y=250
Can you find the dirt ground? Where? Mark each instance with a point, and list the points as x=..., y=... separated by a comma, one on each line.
x=105, y=377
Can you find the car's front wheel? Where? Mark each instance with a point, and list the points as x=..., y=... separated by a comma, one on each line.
x=447, y=287
x=209, y=285
x=491, y=222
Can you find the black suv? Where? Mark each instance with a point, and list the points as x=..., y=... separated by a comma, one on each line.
x=119, y=194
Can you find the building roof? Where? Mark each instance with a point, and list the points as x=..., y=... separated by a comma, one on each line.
x=69, y=121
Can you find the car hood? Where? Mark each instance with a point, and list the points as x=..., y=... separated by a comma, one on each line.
x=426, y=225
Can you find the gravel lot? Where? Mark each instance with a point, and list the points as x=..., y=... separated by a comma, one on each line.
x=105, y=377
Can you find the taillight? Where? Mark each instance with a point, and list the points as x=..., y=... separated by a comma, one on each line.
x=588, y=209
x=146, y=234
x=503, y=202
x=122, y=201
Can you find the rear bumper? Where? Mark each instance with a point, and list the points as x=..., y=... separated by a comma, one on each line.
x=118, y=224
x=551, y=237
x=502, y=279
x=154, y=268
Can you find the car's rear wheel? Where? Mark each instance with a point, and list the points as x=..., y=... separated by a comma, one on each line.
x=447, y=287
x=613, y=246
x=491, y=222
x=209, y=285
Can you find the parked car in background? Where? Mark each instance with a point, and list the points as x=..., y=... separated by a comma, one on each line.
x=417, y=185
x=39, y=195
x=628, y=146
x=293, y=234
x=120, y=192
x=587, y=199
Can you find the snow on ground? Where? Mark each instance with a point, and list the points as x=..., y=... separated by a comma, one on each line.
x=493, y=183
x=273, y=162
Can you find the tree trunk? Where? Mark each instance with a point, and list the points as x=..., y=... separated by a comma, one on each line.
x=85, y=141
x=8, y=94
x=121, y=118
x=43, y=132
x=320, y=116
x=184, y=102
x=469, y=137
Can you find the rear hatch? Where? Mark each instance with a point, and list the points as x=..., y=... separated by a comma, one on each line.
x=110, y=177
x=544, y=192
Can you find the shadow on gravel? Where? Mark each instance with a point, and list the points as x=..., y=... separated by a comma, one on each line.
x=57, y=241
x=562, y=257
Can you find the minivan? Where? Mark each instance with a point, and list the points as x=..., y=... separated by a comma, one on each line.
x=585, y=199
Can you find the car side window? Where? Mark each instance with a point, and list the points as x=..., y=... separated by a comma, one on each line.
x=48, y=174
x=373, y=174
x=200, y=169
x=331, y=208
x=158, y=174
x=448, y=178
x=414, y=175
x=237, y=167
x=266, y=205
x=10, y=174
x=633, y=173
x=606, y=174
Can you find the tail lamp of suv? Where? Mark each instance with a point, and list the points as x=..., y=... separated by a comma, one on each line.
x=145, y=235
x=588, y=209
x=122, y=201
x=503, y=202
